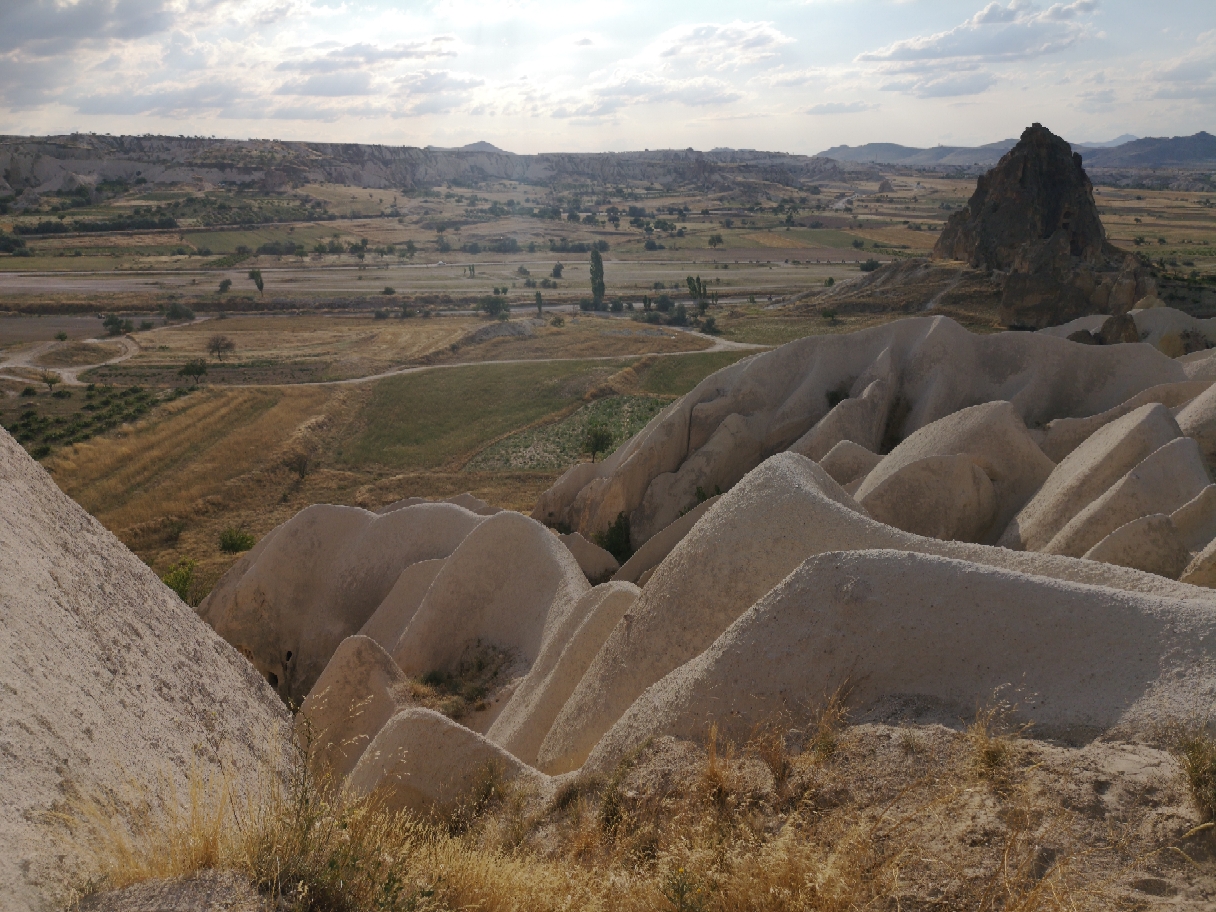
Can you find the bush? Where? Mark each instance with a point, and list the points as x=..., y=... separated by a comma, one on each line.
x=1196, y=753
x=380, y=315
x=615, y=539
x=180, y=579
x=389, y=290
x=493, y=305
x=236, y=540
x=29, y=391
x=870, y=265
x=178, y=311
x=597, y=440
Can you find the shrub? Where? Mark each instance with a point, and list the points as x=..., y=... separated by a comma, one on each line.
x=61, y=336
x=829, y=282
x=493, y=305
x=597, y=440
x=1196, y=753
x=615, y=539
x=180, y=579
x=389, y=290
x=235, y=540
x=179, y=311
x=870, y=265
x=300, y=463
x=29, y=391
x=557, y=320
x=380, y=315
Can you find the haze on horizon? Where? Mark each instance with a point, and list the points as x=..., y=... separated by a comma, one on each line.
x=538, y=75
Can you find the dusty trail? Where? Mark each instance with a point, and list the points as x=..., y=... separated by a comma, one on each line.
x=70, y=375
x=719, y=345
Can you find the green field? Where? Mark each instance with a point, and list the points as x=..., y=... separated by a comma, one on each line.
x=559, y=445
x=676, y=376
x=430, y=419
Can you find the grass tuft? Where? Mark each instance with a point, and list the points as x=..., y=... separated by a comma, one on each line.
x=1196, y=753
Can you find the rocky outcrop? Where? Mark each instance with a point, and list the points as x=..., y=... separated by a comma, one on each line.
x=111, y=688
x=875, y=387
x=1034, y=219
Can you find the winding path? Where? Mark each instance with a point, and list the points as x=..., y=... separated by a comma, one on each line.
x=69, y=375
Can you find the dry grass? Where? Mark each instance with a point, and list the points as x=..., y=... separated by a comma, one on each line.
x=1196, y=752
x=75, y=354
x=677, y=826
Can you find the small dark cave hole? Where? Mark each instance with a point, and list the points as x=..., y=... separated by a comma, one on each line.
x=288, y=655
x=273, y=679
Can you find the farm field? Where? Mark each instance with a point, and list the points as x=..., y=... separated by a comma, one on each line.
x=363, y=350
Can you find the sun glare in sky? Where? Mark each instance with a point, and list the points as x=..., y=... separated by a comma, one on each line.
x=535, y=75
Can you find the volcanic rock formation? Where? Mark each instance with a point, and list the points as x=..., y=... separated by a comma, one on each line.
x=775, y=592
x=1034, y=218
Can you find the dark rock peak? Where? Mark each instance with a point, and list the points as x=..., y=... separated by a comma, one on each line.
x=1037, y=193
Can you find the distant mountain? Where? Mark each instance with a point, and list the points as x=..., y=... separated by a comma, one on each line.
x=481, y=146
x=1157, y=152
x=938, y=156
x=1110, y=143
x=1124, y=152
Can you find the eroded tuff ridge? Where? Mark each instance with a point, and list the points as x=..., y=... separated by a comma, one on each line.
x=867, y=480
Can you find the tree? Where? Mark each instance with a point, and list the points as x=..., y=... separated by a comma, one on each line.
x=116, y=325
x=597, y=279
x=493, y=306
x=225, y=285
x=540, y=310
x=597, y=439
x=50, y=379
x=557, y=270
x=255, y=275
x=715, y=240
x=193, y=369
x=300, y=463
x=218, y=345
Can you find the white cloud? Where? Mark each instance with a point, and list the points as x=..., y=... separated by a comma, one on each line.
x=840, y=107
x=715, y=46
x=1019, y=31
x=1190, y=76
x=953, y=62
x=333, y=85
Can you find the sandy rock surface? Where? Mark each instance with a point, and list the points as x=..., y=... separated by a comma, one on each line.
x=108, y=681
x=944, y=631
x=316, y=579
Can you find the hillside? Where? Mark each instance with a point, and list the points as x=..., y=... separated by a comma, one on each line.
x=1150, y=152
x=54, y=163
x=1156, y=152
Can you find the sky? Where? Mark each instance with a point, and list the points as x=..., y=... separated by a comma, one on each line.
x=538, y=75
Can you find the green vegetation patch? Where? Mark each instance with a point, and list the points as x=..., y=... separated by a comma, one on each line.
x=102, y=409
x=562, y=444
x=675, y=376
x=427, y=419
